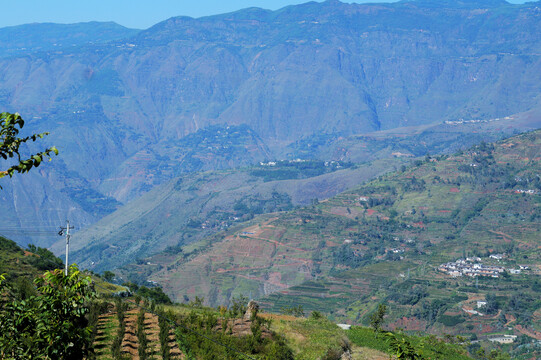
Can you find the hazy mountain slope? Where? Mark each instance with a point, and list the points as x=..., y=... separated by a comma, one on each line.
x=194, y=206
x=217, y=147
x=412, y=141
x=340, y=252
x=28, y=38
x=330, y=68
x=32, y=211
x=213, y=148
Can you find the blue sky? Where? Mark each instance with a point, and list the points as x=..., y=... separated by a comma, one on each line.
x=131, y=13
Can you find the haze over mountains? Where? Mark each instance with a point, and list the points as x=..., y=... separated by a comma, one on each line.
x=129, y=109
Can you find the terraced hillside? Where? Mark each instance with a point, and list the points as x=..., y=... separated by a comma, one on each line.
x=384, y=242
x=25, y=264
x=236, y=335
x=107, y=328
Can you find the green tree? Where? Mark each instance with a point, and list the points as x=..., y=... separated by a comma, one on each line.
x=108, y=275
x=402, y=348
x=44, y=259
x=10, y=143
x=50, y=325
x=376, y=319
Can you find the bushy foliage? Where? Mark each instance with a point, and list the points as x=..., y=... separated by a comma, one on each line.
x=450, y=321
x=297, y=311
x=141, y=335
x=238, y=306
x=9, y=245
x=154, y=294
x=196, y=328
x=402, y=348
x=51, y=324
x=376, y=319
x=165, y=328
x=44, y=259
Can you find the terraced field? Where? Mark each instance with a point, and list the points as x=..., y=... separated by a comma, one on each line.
x=108, y=327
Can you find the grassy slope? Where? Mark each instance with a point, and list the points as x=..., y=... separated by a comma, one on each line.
x=14, y=261
x=17, y=263
x=271, y=254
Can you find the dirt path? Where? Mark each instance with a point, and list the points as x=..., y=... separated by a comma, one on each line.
x=508, y=238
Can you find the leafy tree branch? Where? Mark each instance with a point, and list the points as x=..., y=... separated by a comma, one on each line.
x=10, y=143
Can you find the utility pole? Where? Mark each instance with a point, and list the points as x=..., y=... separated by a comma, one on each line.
x=67, y=232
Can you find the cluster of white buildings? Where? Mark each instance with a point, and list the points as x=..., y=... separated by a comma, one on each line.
x=470, y=267
x=503, y=339
x=529, y=191
x=462, y=121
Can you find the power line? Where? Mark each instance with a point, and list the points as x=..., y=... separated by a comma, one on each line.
x=35, y=233
x=61, y=232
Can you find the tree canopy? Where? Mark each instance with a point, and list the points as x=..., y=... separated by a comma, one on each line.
x=49, y=325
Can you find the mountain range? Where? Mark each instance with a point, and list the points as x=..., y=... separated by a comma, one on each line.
x=122, y=104
x=326, y=156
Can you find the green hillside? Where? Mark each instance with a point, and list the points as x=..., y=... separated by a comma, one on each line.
x=384, y=242
x=197, y=205
x=18, y=263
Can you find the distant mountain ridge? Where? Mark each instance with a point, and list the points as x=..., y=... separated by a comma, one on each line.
x=315, y=68
x=23, y=39
x=473, y=4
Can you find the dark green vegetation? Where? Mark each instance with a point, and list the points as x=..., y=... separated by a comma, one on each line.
x=383, y=243
x=427, y=347
x=16, y=263
x=297, y=169
x=154, y=294
x=51, y=323
x=122, y=105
